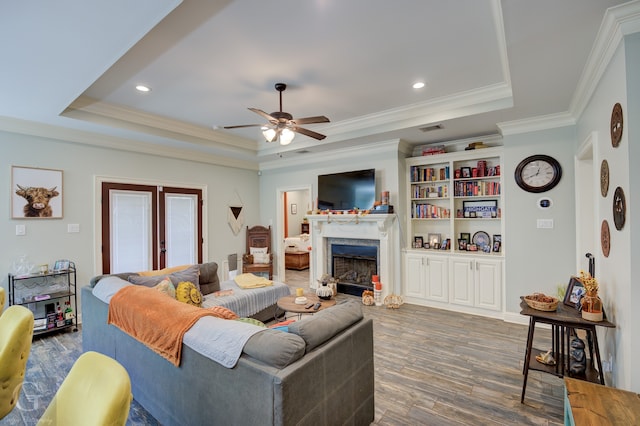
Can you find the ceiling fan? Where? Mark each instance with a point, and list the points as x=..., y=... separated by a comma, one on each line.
x=282, y=126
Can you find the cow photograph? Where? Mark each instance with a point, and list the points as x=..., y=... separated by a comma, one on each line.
x=36, y=193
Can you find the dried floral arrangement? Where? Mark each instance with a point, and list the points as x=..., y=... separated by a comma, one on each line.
x=590, y=283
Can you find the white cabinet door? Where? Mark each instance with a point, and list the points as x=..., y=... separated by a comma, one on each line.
x=414, y=280
x=437, y=279
x=488, y=274
x=462, y=275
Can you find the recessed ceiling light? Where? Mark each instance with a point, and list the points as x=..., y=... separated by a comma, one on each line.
x=418, y=85
x=143, y=88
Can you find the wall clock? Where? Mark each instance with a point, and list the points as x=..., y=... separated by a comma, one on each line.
x=605, y=238
x=604, y=178
x=538, y=173
x=616, y=125
x=619, y=208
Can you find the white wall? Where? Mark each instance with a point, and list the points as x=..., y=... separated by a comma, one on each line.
x=299, y=198
x=48, y=240
x=617, y=273
x=538, y=260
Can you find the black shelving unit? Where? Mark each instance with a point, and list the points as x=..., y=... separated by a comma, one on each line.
x=41, y=292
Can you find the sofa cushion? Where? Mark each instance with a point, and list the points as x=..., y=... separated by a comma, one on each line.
x=275, y=348
x=325, y=324
x=209, y=281
x=165, y=271
x=190, y=274
x=252, y=321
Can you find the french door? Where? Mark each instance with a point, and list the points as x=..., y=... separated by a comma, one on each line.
x=148, y=227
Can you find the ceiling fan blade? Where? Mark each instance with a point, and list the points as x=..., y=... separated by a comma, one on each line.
x=243, y=125
x=264, y=115
x=308, y=132
x=311, y=120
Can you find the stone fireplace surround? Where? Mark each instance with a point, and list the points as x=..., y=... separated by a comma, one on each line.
x=328, y=228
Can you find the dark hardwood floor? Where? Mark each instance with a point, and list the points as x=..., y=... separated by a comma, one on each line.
x=432, y=367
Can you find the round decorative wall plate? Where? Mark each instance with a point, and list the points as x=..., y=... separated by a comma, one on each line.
x=605, y=238
x=616, y=125
x=619, y=208
x=604, y=178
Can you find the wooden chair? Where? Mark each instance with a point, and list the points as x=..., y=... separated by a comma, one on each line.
x=255, y=260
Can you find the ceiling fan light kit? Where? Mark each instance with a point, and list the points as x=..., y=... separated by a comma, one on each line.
x=282, y=126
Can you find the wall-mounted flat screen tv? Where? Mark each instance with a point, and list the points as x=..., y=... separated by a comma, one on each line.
x=347, y=190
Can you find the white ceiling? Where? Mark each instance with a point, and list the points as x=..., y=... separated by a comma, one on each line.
x=74, y=64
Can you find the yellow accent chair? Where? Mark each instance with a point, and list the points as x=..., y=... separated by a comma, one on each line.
x=16, y=333
x=97, y=391
x=3, y=299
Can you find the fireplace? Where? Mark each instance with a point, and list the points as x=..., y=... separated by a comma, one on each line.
x=353, y=264
x=372, y=244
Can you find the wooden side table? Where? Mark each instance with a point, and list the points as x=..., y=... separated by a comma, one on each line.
x=593, y=404
x=288, y=304
x=563, y=321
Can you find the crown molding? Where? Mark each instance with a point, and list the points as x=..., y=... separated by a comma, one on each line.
x=91, y=110
x=82, y=137
x=533, y=124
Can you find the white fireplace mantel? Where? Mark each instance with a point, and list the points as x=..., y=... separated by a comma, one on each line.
x=379, y=227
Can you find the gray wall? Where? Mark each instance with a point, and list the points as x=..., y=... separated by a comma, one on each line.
x=47, y=240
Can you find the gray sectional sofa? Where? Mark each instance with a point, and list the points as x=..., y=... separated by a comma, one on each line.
x=320, y=372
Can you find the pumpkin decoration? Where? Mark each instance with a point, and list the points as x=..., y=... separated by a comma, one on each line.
x=393, y=301
x=367, y=298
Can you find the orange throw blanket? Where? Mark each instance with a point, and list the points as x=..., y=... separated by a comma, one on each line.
x=154, y=319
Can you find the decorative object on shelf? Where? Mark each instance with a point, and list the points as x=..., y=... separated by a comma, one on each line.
x=616, y=125
x=417, y=242
x=538, y=173
x=605, y=238
x=541, y=302
x=591, y=303
x=433, y=240
x=604, y=178
x=497, y=243
x=367, y=298
x=577, y=358
x=619, y=208
x=40, y=189
x=393, y=301
x=481, y=239
x=484, y=209
x=546, y=358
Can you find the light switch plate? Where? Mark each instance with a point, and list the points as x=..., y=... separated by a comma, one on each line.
x=545, y=223
x=73, y=227
x=21, y=230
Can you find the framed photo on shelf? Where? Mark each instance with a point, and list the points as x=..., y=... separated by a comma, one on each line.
x=417, y=242
x=497, y=243
x=433, y=240
x=575, y=290
x=466, y=172
x=462, y=244
x=61, y=265
x=466, y=236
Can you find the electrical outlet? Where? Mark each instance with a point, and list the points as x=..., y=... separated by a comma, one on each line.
x=607, y=366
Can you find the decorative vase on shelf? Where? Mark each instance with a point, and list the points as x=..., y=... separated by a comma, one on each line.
x=324, y=292
x=591, y=306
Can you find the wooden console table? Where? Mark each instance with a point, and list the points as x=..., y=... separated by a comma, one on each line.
x=563, y=321
x=592, y=404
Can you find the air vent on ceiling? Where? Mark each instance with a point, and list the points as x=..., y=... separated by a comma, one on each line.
x=431, y=128
x=303, y=151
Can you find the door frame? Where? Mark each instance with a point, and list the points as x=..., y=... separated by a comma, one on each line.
x=587, y=178
x=97, y=212
x=280, y=216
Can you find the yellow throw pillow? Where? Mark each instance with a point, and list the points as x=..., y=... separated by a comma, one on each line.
x=188, y=293
x=166, y=286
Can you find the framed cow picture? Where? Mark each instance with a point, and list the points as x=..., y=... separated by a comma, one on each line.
x=36, y=193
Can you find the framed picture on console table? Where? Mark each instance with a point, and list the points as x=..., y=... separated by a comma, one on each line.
x=575, y=290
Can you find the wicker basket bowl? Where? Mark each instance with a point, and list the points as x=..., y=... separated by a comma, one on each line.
x=533, y=303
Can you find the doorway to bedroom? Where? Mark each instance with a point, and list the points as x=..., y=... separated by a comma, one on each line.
x=297, y=241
